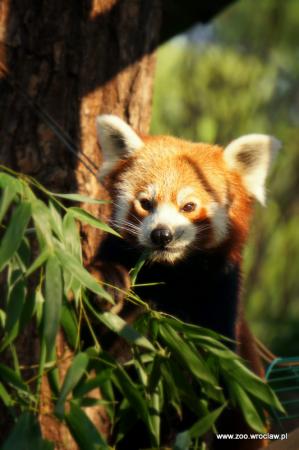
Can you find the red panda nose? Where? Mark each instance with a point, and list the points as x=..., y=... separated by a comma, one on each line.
x=161, y=236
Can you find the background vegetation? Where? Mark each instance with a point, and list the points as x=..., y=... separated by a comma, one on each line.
x=239, y=75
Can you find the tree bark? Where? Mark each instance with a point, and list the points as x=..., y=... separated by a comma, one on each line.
x=77, y=60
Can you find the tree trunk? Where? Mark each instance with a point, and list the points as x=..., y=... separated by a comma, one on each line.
x=77, y=60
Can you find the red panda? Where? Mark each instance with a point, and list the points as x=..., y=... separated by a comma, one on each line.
x=189, y=205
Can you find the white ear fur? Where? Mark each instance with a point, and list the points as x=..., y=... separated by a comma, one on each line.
x=117, y=140
x=251, y=156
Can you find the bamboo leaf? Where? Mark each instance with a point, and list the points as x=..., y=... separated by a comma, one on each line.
x=186, y=355
x=10, y=377
x=27, y=435
x=86, y=217
x=15, y=304
x=155, y=373
x=5, y=396
x=252, y=383
x=93, y=383
x=71, y=235
x=122, y=328
x=28, y=310
x=134, y=397
x=83, y=430
x=39, y=261
x=69, y=324
x=74, y=266
x=14, y=233
x=55, y=221
x=41, y=218
x=53, y=302
x=73, y=376
x=8, y=194
x=193, y=330
x=183, y=440
x=80, y=198
x=10, y=182
x=138, y=266
x=248, y=409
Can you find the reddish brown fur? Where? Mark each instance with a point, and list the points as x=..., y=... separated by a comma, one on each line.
x=200, y=166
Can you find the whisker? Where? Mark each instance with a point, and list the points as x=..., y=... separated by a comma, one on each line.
x=133, y=232
x=125, y=225
x=135, y=217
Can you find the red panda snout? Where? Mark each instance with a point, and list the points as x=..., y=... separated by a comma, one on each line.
x=161, y=236
x=167, y=233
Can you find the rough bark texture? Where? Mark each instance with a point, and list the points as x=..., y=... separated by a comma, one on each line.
x=77, y=60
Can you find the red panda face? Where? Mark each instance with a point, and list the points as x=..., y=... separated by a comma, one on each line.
x=175, y=197
x=172, y=202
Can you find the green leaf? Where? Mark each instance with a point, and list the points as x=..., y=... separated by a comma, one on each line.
x=41, y=218
x=248, y=409
x=83, y=430
x=53, y=302
x=252, y=383
x=80, y=198
x=74, y=266
x=155, y=373
x=24, y=254
x=53, y=374
x=93, y=383
x=86, y=217
x=39, y=261
x=172, y=388
x=138, y=266
x=134, y=397
x=5, y=396
x=186, y=355
x=28, y=310
x=26, y=435
x=8, y=194
x=204, y=424
x=156, y=402
x=69, y=324
x=14, y=233
x=55, y=221
x=71, y=235
x=72, y=378
x=183, y=440
x=71, y=238
x=15, y=304
x=10, y=182
x=193, y=330
x=10, y=377
x=122, y=328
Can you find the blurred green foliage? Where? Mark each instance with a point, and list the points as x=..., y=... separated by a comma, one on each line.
x=240, y=75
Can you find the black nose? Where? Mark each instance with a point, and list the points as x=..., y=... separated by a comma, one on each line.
x=161, y=236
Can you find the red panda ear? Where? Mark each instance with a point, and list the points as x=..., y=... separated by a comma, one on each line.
x=117, y=140
x=251, y=156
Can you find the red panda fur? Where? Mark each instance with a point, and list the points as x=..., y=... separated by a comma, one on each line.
x=228, y=178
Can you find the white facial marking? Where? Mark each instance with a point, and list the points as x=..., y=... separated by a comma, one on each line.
x=183, y=194
x=219, y=219
x=183, y=230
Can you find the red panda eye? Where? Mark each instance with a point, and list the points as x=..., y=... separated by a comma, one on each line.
x=189, y=207
x=146, y=204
